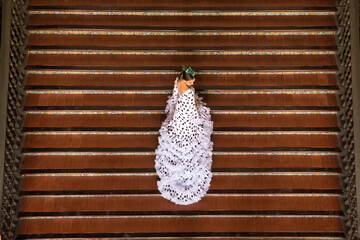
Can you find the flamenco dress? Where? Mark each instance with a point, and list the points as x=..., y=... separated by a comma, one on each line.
x=184, y=153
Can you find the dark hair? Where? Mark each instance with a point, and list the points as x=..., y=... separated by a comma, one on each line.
x=186, y=76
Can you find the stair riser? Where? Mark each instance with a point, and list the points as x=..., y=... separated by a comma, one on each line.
x=194, y=3
x=151, y=141
x=179, y=224
x=159, y=100
x=182, y=21
x=135, y=182
x=86, y=60
x=128, y=203
x=154, y=120
x=202, y=80
x=178, y=41
x=101, y=161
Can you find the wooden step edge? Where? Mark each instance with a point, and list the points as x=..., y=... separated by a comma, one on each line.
x=166, y=72
x=210, y=191
x=195, y=216
x=144, y=112
x=186, y=29
x=229, y=133
x=204, y=238
x=208, y=236
x=137, y=174
x=192, y=236
x=150, y=129
x=152, y=170
x=168, y=88
x=167, y=92
x=217, y=153
x=137, y=149
x=182, y=52
x=205, y=213
x=210, y=49
x=125, y=108
x=184, y=13
x=164, y=4
x=139, y=32
x=176, y=8
x=208, y=195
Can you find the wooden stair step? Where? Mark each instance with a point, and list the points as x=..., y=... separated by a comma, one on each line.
x=153, y=118
x=264, y=97
x=171, y=224
x=147, y=181
x=161, y=78
x=155, y=202
x=113, y=38
x=103, y=58
x=189, y=19
x=194, y=3
x=146, y=139
x=141, y=160
x=218, y=238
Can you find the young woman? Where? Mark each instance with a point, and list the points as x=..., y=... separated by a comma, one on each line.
x=184, y=154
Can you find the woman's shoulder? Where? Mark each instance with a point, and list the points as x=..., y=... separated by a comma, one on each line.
x=192, y=91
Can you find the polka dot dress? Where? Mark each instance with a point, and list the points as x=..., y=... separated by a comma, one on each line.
x=184, y=154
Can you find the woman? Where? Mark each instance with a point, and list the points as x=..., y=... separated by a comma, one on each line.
x=184, y=154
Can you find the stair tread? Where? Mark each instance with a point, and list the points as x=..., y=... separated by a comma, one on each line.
x=155, y=202
x=108, y=98
x=102, y=49
x=159, y=3
x=117, y=39
x=133, y=160
x=147, y=181
x=183, y=11
x=177, y=28
x=194, y=32
x=112, y=224
x=167, y=59
x=83, y=8
x=161, y=78
x=151, y=118
x=150, y=139
x=183, y=21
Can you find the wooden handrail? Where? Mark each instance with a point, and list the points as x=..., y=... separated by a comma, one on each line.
x=4, y=80
x=355, y=75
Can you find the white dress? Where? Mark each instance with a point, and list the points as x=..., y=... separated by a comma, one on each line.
x=184, y=154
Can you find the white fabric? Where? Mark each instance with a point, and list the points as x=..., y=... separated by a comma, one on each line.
x=184, y=154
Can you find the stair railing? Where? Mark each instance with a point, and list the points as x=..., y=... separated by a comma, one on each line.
x=347, y=37
x=13, y=60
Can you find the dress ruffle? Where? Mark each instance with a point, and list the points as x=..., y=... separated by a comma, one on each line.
x=184, y=154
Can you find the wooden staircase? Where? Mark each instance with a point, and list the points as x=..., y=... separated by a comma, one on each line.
x=99, y=74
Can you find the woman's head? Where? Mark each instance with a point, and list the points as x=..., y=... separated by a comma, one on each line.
x=188, y=75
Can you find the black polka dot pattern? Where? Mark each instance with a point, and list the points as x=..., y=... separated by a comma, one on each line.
x=184, y=154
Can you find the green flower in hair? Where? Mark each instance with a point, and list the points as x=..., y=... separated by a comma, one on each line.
x=189, y=71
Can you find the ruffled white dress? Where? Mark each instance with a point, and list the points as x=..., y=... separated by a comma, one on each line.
x=184, y=154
